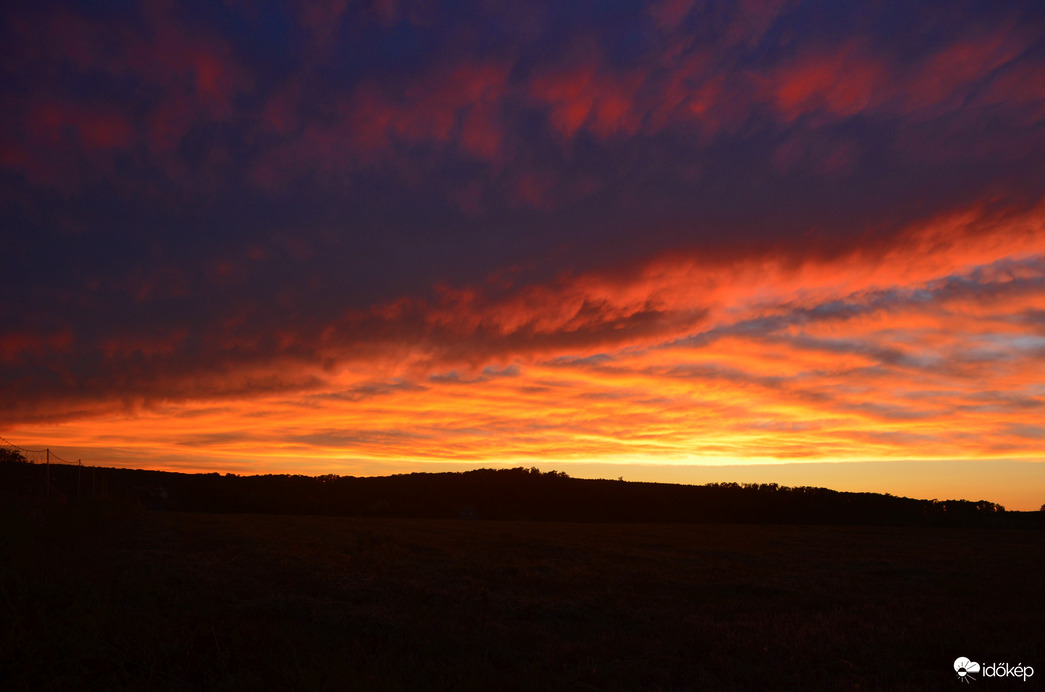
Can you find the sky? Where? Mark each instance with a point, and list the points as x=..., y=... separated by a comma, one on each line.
x=681, y=241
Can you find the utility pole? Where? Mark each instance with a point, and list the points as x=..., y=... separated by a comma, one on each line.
x=79, y=470
x=47, y=490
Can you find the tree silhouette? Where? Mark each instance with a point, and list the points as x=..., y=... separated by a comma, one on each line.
x=12, y=455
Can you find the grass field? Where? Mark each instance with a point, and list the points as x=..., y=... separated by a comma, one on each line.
x=155, y=600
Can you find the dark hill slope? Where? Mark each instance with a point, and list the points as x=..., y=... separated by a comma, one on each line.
x=515, y=494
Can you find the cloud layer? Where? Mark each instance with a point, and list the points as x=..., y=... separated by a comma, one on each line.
x=648, y=233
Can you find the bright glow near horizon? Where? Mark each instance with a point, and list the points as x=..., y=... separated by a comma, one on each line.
x=590, y=243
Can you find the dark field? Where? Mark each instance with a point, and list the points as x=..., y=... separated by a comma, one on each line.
x=165, y=600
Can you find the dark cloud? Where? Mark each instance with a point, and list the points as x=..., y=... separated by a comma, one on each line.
x=208, y=200
x=336, y=438
x=1031, y=432
x=371, y=390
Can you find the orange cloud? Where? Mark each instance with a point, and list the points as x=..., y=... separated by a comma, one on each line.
x=926, y=348
x=970, y=264
x=653, y=262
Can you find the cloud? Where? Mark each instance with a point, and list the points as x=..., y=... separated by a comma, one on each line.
x=977, y=262
x=370, y=390
x=674, y=229
x=954, y=70
x=842, y=82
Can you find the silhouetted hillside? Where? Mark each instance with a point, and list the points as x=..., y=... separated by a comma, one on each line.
x=514, y=494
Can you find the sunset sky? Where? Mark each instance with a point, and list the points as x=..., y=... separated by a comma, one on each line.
x=681, y=241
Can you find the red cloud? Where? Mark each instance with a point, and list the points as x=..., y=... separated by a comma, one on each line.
x=148, y=346
x=851, y=79
x=105, y=131
x=51, y=138
x=958, y=67
x=669, y=294
x=322, y=17
x=94, y=128
x=586, y=97
x=794, y=330
x=179, y=77
x=15, y=346
x=460, y=102
x=841, y=82
x=197, y=79
x=457, y=106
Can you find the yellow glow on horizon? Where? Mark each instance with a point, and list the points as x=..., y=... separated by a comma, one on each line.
x=858, y=359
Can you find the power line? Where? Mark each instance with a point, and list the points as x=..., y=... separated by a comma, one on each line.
x=8, y=443
x=50, y=456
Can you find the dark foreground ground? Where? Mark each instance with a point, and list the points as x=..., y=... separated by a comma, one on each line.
x=164, y=600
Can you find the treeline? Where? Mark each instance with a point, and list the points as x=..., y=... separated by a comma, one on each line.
x=505, y=494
